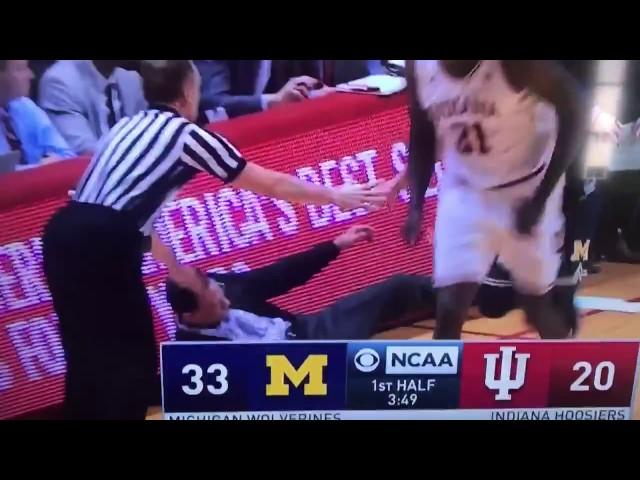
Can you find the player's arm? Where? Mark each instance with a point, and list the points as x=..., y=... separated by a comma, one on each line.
x=287, y=187
x=552, y=83
x=422, y=144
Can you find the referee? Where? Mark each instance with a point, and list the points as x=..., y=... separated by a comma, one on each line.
x=93, y=246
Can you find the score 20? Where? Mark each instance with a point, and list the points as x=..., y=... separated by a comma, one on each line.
x=593, y=374
x=556, y=375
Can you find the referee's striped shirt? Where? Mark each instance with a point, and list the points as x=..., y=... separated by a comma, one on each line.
x=142, y=162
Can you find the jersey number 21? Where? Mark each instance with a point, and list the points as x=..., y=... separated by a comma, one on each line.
x=472, y=139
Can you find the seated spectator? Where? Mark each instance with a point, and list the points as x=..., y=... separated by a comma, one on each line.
x=38, y=67
x=24, y=127
x=618, y=238
x=236, y=306
x=618, y=235
x=85, y=98
x=241, y=87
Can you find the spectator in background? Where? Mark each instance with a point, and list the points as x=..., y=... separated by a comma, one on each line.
x=38, y=67
x=85, y=98
x=24, y=127
x=241, y=87
x=618, y=238
x=606, y=127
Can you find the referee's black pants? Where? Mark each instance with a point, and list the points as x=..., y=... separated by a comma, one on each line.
x=92, y=262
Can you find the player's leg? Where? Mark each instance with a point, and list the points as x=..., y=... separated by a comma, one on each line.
x=534, y=262
x=578, y=210
x=463, y=253
x=563, y=299
x=544, y=316
x=452, y=309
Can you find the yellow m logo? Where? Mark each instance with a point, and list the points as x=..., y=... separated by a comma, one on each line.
x=312, y=369
x=580, y=251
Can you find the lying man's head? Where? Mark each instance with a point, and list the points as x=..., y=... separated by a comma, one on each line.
x=197, y=300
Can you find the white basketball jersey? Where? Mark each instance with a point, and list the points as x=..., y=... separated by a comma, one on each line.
x=487, y=133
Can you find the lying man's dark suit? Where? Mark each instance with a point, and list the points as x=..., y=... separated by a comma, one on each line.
x=355, y=316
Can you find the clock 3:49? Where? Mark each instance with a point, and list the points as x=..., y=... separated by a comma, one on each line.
x=402, y=400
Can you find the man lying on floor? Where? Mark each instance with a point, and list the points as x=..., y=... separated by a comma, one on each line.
x=236, y=307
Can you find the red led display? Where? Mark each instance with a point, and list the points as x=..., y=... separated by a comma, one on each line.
x=218, y=227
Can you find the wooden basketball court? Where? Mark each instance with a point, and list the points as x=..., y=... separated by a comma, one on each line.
x=616, y=280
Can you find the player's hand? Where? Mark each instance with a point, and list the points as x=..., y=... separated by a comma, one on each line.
x=527, y=216
x=351, y=196
x=353, y=235
x=412, y=227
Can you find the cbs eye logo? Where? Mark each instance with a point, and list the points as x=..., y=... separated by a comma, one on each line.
x=366, y=360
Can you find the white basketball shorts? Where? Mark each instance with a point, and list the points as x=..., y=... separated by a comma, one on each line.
x=475, y=226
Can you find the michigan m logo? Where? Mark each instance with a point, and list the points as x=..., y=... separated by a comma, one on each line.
x=311, y=369
x=580, y=251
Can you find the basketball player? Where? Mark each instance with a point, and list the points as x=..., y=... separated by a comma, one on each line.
x=506, y=131
x=496, y=296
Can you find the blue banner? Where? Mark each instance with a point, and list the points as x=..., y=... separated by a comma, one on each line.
x=219, y=377
x=307, y=376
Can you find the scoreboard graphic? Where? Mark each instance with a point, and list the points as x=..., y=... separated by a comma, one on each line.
x=386, y=380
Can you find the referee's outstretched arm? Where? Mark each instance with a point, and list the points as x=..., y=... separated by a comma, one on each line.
x=214, y=154
x=290, y=188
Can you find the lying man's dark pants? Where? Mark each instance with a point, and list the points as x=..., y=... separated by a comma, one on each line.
x=361, y=314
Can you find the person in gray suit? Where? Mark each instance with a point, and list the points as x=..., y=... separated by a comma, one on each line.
x=241, y=87
x=85, y=98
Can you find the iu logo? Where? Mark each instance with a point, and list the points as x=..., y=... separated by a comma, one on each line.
x=504, y=383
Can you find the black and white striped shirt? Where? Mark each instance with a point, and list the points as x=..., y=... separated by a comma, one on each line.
x=142, y=162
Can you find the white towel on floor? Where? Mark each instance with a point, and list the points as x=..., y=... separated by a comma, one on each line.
x=607, y=304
